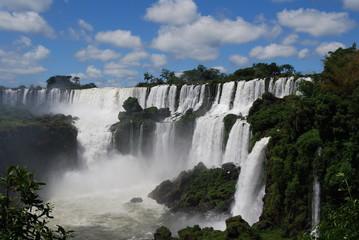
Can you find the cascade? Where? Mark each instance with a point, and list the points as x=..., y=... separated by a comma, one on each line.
x=250, y=185
x=315, y=206
x=191, y=96
x=114, y=178
x=237, y=144
x=140, y=142
x=246, y=93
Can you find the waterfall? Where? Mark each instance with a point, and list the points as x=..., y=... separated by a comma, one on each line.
x=237, y=144
x=191, y=96
x=100, y=191
x=250, y=185
x=140, y=142
x=315, y=207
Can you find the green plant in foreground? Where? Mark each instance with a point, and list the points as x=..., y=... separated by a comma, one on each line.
x=23, y=215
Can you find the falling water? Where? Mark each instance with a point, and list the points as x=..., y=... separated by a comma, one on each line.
x=94, y=200
x=250, y=185
x=238, y=141
x=315, y=207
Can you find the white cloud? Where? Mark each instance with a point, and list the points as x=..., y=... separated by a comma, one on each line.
x=158, y=60
x=201, y=40
x=351, y=4
x=118, y=70
x=29, y=22
x=272, y=51
x=85, y=25
x=304, y=53
x=220, y=68
x=316, y=23
x=92, y=52
x=39, y=53
x=173, y=12
x=326, y=47
x=119, y=38
x=238, y=60
x=25, y=5
x=308, y=42
x=93, y=72
x=23, y=41
x=133, y=59
x=290, y=39
x=15, y=63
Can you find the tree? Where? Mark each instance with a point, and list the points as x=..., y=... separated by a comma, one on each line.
x=23, y=214
x=341, y=70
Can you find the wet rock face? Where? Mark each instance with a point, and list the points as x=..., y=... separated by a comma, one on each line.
x=199, y=189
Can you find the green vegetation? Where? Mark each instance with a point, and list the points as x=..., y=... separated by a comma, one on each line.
x=199, y=190
x=67, y=82
x=315, y=134
x=36, y=141
x=134, y=122
x=201, y=74
x=23, y=215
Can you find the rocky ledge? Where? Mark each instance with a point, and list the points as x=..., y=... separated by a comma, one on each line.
x=199, y=190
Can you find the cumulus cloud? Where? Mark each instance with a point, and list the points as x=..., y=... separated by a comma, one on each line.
x=92, y=52
x=158, y=60
x=119, y=38
x=238, y=60
x=22, y=62
x=304, y=53
x=292, y=38
x=173, y=12
x=316, y=23
x=201, y=40
x=351, y=4
x=220, y=69
x=83, y=24
x=133, y=59
x=326, y=47
x=118, y=70
x=272, y=51
x=25, y=5
x=39, y=53
x=29, y=22
x=93, y=72
x=23, y=42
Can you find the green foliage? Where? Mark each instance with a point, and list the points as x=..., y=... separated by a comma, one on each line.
x=341, y=71
x=163, y=233
x=200, y=190
x=196, y=233
x=136, y=122
x=67, y=82
x=201, y=74
x=23, y=214
x=263, y=70
x=131, y=106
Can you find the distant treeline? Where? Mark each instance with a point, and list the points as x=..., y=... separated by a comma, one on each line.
x=201, y=74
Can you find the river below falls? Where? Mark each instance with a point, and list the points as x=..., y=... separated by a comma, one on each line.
x=110, y=215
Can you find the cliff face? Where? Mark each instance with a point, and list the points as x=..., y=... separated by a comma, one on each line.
x=41, y=144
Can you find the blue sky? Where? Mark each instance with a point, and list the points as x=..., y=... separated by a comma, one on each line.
x=113, y=42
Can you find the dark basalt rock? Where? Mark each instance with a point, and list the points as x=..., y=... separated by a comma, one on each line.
x=136, y=200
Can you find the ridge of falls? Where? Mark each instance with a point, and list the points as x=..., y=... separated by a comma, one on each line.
x=114, y=178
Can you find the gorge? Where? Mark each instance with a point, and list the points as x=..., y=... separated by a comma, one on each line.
x=94, y=199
